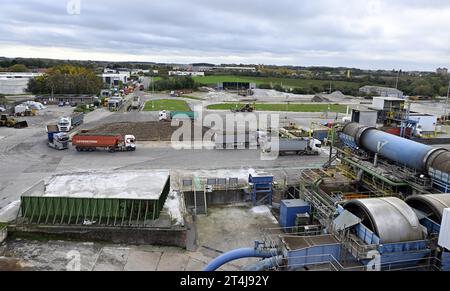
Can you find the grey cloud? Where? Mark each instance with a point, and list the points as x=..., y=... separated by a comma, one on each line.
x=369, y=34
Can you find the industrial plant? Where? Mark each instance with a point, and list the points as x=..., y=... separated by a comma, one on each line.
x=206, y=138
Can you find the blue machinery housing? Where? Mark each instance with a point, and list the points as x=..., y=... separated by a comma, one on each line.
x=401, y=233
x=433, y=162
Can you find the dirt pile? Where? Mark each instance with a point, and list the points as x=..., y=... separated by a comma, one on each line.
x=145, y=131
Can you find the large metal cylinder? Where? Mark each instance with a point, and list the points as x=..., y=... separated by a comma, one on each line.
x=391, y=219
x=432, y=206
x=403, y=151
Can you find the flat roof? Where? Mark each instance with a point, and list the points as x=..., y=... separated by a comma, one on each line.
x=390, y=98
x=131, y=185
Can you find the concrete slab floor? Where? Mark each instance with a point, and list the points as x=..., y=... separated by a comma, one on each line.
x=142, y=261
x=224, y=229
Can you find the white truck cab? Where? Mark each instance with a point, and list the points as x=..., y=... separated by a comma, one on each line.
x=315, y=145
x=164, y=115
x=65, y=124
x=130, y=142
x=60, y=141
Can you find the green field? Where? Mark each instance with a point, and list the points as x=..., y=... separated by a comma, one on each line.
x=284, y=107
x=286, y=82
x=166, y=104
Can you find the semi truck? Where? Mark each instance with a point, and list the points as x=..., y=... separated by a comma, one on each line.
x=136, y=103
x=301, y=146
x=89, y=142
x=56, y=139
x=170, y=115
x=66, y=124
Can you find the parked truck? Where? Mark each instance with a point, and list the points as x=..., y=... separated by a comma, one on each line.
x=89, y=142
x=56, y=139
x=301, y=146
x=66, y=124
x=170, y=115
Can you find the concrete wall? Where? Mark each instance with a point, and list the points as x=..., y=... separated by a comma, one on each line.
x=136, y=236
x=217, y=197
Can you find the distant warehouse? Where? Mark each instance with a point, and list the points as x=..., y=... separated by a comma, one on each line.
x=15, y=83
x=382, y=91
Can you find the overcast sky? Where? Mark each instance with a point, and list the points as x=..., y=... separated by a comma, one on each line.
x=374, y=34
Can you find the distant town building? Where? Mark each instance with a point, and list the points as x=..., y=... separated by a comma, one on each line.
x=72, y=99
x=238, y=86
x=382, y=91
x=15, y=83
x=185, y=73
x=114, y=79
x=442, y=71
x=235, y=69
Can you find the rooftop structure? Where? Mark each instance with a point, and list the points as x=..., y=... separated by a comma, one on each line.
x=15, y=83
x=382, y=91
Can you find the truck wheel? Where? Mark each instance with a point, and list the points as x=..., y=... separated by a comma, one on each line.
x=112, y=150
x=78, y=149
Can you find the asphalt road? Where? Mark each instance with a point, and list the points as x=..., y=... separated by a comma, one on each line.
x=26, y=159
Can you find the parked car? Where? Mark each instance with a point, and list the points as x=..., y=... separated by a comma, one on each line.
x=61, y=104
x=2, y=109
x=74, y=104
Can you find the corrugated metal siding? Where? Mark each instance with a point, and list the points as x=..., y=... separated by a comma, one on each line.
x=444, y=236
x=91, y=211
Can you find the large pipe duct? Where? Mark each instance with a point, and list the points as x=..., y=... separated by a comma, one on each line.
x=264, y=265
x=403, y=151
x=430, y=205
x=391, y=219
x=237, y=255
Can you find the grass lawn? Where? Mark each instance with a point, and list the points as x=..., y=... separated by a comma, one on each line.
x=286, y=82
x=167, y=104
x=285, y=107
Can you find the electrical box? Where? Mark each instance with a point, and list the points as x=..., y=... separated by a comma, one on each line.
x=289, y=210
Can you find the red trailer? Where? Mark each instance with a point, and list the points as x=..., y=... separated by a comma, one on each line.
x=111, y=142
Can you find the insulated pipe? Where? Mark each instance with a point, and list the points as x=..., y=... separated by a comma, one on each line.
x=264, y=265
x=431, y=205
x=391, y=219
x=237, y=255
x=415, y=155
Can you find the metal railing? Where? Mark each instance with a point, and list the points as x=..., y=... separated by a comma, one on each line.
x=328, y=262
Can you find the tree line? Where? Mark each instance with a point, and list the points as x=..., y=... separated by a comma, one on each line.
x=176, y=83
x=66, y=79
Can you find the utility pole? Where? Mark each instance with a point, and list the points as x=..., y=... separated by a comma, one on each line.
x=398, y=76
x=446, y=102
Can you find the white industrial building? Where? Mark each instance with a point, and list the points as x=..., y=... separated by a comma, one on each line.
x=427, y=123
x=382, y=91
x=15, y=83
x=113, y=79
